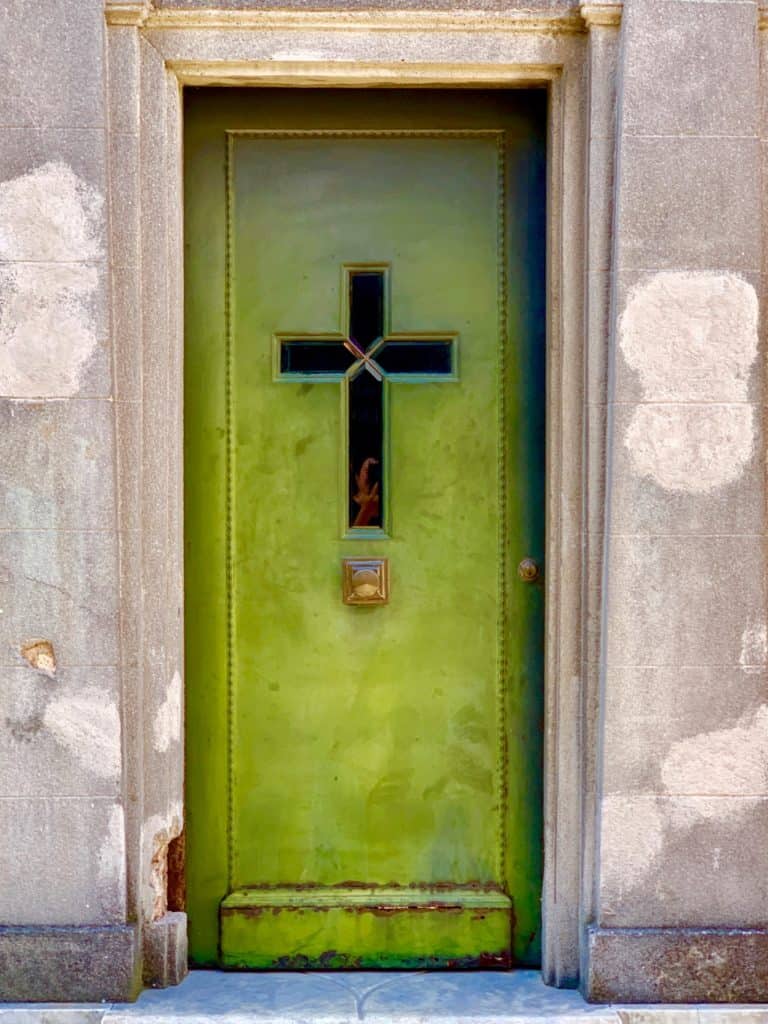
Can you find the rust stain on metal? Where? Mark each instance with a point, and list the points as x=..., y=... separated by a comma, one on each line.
x=471, y=886
x=333, y=960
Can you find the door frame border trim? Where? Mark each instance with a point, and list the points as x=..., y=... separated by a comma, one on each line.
x=153, y=54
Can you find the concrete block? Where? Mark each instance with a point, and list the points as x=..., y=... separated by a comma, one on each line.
x=689, y=202
x=684, y=600
x=53, y=71
x=60, y=586
x=603, y=67
x=124, y=198
x=126, y=332
x=682, y=861
x=60, y=736
x=123, y=64
x=686, y=729
x=688, y=469
x=598, y=315
x=165, y=950
x=595, y=446
x=130, y=601
x=658, y=1015
x=62, y=861
x=27, y=149
x=691, y=69
x=128, y=416
x=659, y=965
x=406, y=46
x=34, y=1013
x=594, y=626
x=68, y=964
x=57, y=460
x=600, y=221
x=732, y=1015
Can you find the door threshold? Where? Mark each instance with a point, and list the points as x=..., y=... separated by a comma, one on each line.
x=366, y=929
x=397, y=997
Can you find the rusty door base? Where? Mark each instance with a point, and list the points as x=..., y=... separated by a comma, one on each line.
x=349, y=928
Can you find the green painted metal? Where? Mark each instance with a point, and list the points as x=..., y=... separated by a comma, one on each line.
x=393, y=748
x=363, y=929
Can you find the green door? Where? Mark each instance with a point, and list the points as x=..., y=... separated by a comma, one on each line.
x=364, y=389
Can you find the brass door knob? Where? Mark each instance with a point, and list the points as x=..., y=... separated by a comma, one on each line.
x=528, y=570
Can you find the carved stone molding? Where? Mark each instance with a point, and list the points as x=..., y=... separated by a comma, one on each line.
x=562, y=21
x=127, y=12
x=605, y=14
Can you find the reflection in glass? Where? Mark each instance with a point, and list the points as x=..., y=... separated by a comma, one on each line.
x=427, y=358
x=319, y=356
x=366, y=451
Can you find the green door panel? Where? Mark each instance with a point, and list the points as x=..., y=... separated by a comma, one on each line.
x=363, y=783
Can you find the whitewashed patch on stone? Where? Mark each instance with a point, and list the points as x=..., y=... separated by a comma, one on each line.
x=632, y=838
x=691, y=336
x=754, y=648
x=51, y=228
x=87, y=724
x=724, y=762
x=692, y=339
x=167, y=723
x=691, y=448
x=111, y=861
x=48, y=327
x=50, y=214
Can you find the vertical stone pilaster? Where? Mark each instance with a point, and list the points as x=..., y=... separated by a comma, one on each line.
x=62, y=818
x=684, y=724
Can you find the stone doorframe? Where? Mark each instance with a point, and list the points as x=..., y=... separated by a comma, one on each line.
x=152, y=54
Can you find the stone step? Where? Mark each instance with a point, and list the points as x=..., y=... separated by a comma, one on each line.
x=471, y=997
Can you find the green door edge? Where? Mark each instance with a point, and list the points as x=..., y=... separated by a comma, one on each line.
x=208, y=113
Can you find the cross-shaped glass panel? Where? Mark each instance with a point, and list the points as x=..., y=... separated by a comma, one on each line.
x=366, y=357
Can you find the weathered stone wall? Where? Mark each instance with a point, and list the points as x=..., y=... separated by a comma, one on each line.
x=62, y=834
x=684, y=738
x=668, y=504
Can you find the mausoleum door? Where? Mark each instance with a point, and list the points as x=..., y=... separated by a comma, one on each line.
x=364, y=390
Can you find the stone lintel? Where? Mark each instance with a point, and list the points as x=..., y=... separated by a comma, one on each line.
x=677, y=965
x=89, y=963
x=562, y=19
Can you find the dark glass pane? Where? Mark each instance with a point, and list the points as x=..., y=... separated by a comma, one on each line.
x=428, y=357
x=366, y=306
x=314, y=357
x=366, y=450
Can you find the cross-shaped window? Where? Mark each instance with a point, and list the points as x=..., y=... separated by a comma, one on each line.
x=366, y=357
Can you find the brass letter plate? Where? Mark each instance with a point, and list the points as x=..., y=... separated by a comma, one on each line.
x=365, y=580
